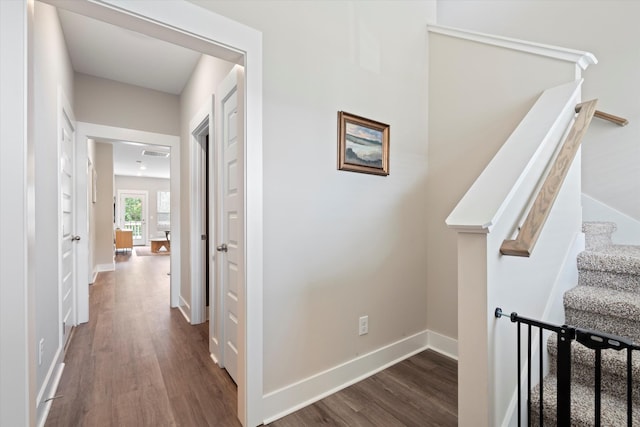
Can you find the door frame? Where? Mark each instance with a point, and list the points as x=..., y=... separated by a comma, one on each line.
x=144, y=195
x=201, y=123
x=86, y=131
x=195, y=27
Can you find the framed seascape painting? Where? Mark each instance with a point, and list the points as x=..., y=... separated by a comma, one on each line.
x=363, y=145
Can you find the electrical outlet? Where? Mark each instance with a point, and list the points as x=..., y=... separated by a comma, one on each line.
x=40, y=351
x=363, y=325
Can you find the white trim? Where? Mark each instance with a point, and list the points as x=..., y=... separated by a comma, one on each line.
x=17, y=225
x=200, y=123
x=581, y=58
x=213, y=357
x=44, y=411
x=87, y=131
x=293, y=397
x=47, y=385
x=94, y=276
x=185, y=309
x=105, y=267
x=443, y=344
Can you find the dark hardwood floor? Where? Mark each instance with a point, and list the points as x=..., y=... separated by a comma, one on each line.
x=139, y=363
x=420, y=391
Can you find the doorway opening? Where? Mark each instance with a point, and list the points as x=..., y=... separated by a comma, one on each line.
x=133, y=214
x=201, y=126
x=183, y=23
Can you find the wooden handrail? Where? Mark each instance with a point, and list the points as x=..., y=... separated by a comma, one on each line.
x=620, y=121
x=532, y=226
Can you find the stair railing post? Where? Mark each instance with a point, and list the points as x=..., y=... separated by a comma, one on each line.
x=629, y=387
x=563, y=408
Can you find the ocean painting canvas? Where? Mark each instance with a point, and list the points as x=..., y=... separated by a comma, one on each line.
x=363, y=145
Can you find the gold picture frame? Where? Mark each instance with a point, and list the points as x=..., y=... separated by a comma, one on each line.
x=363, y=145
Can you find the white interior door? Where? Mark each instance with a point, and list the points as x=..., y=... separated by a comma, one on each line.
x=67, y=257
x=230, y=249
x=132, y=214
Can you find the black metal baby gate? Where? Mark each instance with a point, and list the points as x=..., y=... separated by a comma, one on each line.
x=594, y=340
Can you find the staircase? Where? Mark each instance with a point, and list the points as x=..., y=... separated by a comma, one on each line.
x=607, y=299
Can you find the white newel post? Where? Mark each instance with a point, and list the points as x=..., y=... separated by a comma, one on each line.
x=474, y=372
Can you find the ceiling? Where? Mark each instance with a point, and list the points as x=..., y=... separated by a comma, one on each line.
x=105, y=50
x=128, y=160
x=110, y=52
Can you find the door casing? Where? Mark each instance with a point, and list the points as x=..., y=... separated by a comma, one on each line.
x=86, y=131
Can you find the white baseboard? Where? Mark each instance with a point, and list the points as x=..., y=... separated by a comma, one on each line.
x=46, y=407
x=94, y=277
x=443, y=344
x=49, y=387
x=291, y=398
x=105, y=267
x=185, y=309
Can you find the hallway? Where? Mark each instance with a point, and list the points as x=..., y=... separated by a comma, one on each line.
x=137, y=362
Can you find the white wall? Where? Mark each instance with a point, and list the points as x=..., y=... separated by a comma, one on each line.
x=111, y=103
x=52, y=68
x=611, y=155
x=152, y=186
x=627, y=228
x=339, y=245
x=103, y=208
x=206, y=76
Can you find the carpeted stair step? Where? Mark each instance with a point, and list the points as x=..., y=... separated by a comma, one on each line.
x=603, y=309
x=614, y=368
x=614, y=411
x=616, y=267
x=598, y=234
